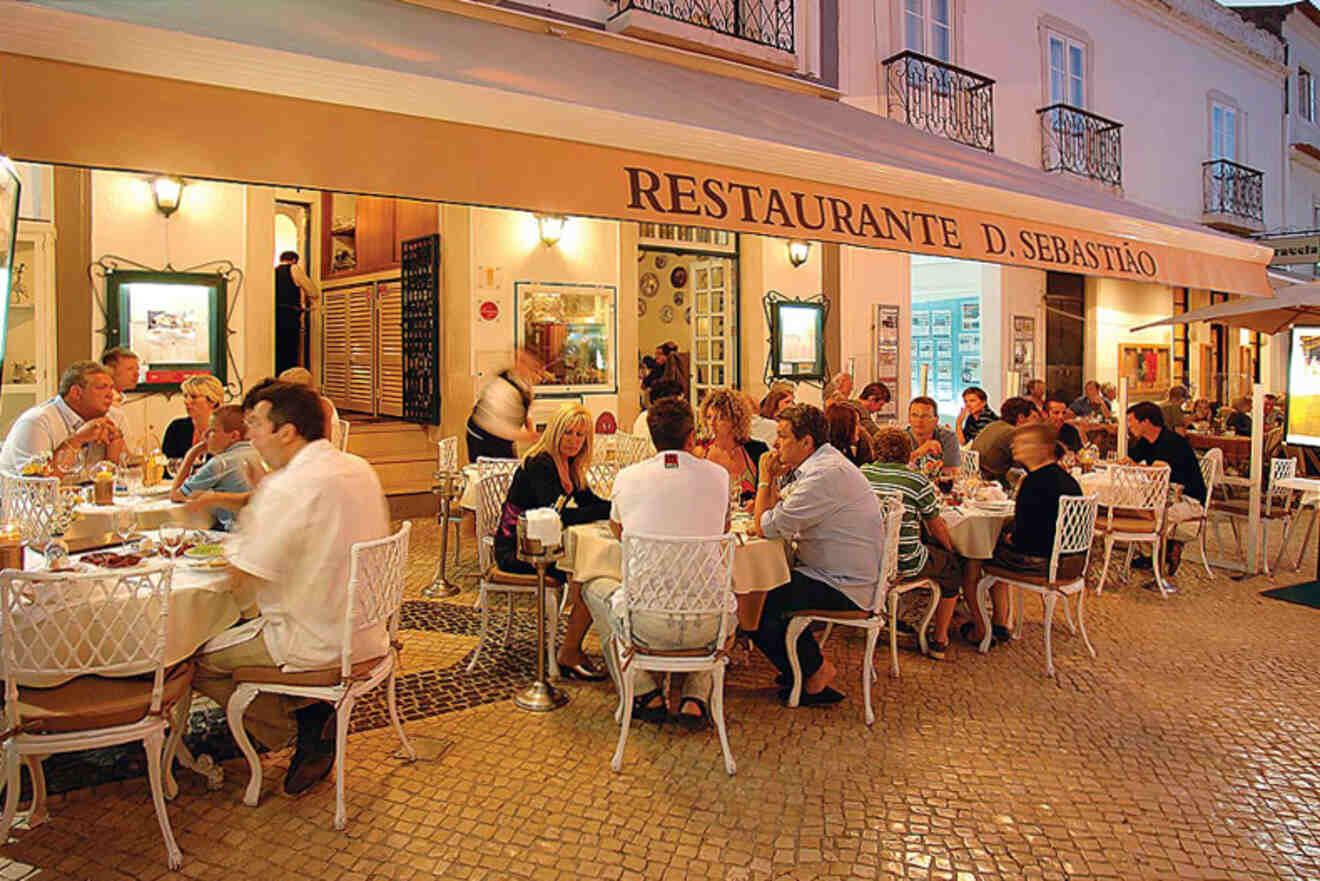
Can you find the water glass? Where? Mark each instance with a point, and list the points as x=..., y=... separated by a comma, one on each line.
x=171, y=538
x=125, y=521
x=131, y=477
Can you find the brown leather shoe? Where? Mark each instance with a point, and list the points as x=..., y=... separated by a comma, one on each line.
x=307, y=769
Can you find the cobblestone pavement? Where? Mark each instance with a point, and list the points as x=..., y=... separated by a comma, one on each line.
x=1188, y=748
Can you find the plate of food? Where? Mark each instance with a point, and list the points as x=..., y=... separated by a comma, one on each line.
x=205, y=551
x=208, y=562
x=111, y=560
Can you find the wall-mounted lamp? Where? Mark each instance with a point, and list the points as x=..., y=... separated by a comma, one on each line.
x=551, y=227
x=168, y=193
x=798, y=251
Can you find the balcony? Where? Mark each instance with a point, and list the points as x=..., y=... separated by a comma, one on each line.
x=941, y=99
x=759, y=32
x=1081, y=143
x=1233, y=197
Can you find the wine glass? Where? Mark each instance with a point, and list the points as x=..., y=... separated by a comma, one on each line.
x=125, y=522
x=171, y=538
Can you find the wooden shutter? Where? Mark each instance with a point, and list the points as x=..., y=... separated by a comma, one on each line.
x=334, y=347
x=389, y=325
x=361, y=349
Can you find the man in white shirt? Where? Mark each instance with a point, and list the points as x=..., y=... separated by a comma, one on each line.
x=671, y=494
x=123, y=365
x=66, y=424
x=293, y=552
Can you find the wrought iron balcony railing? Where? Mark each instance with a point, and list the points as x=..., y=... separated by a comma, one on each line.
x=1233, y=189
x=1082, y=143
x=765, y=22
x=941, y=99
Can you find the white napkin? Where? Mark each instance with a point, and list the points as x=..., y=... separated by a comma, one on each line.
x=544, y=524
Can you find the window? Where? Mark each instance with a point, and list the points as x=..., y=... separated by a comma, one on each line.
x=928, y=28
x=1223, y=132
x=571, y=329
x=1067, y=61
x=1306, y=94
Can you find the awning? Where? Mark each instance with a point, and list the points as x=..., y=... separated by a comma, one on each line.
x=1298, y=304
x=373, y=96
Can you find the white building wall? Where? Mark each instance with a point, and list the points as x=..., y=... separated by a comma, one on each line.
x=1303, y=185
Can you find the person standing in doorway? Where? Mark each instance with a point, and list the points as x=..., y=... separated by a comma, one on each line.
x=295, y=296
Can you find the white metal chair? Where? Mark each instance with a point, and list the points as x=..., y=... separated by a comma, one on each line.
x=31, y=502
x=446, y=459
x=1276, y=505
x=85, y=629
x=1135, y=501
x=495, y=476
x=690, y=578
x=629, y=449
x=872, y=620
x=1074, y=528
x=600, y=477
x=970, y=466
x=375, y=597
x=1212, y=467
x=341, y=429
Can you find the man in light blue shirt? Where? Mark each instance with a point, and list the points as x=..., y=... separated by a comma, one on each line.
x=837, y=520
x=226, y=473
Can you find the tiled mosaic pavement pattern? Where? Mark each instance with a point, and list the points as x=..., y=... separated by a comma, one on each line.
x=1188, y=749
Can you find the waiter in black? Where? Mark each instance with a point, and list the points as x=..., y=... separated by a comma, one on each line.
x=295, y=295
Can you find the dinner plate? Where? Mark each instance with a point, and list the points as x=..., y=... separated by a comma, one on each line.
x=160, y=489
x=205, y=551
x=207, y=563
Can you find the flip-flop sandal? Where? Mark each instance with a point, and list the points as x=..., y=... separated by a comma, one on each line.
x=698, y=721
x=647, y=713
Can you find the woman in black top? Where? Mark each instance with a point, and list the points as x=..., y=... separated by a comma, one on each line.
x=201, y=396
x=553, y=474
x=726, y=415
x=844, y=428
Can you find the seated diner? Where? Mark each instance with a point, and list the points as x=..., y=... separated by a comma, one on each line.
x=727, y=420
x=934, y=447
x=976, y=414
x=225, y=474
x=994, y=444
x=201, y=395
x=845, y=433
x=72, y=429
x=1154, y=442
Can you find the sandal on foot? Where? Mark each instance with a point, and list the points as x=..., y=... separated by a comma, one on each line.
x=968, y=629
x=643, y=710
x=936, y=650
x=700, y=720
x=582, y=672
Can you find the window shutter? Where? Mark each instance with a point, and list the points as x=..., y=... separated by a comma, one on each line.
x=389, y=317
x=334, y=347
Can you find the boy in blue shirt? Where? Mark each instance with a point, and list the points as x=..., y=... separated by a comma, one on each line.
x=225, y=472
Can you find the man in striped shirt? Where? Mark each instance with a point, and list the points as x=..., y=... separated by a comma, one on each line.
x=921, y=504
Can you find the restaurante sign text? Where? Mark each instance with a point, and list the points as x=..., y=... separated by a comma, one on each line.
x=794, y=213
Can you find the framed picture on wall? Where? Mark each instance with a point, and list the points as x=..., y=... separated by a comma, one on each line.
x=971, y=317
x=174, y=321
x=941, y=322
x=971, y=371
x=1147, y=368
x=1024, y=356
x=943, y=350
x=1024, y=327
x=969, y=342
x=921, y=323
x=886, y=325
x=925, y=351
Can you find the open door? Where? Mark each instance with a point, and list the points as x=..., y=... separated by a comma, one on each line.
x=714, y=326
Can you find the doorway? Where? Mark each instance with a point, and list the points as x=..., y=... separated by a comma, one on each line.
x=1065, y=315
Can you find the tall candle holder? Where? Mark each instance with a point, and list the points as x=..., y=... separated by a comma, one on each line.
x=448, y=486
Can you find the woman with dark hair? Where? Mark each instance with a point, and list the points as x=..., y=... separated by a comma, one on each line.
x=844, y=429
x=727, y=418
x=764, y=424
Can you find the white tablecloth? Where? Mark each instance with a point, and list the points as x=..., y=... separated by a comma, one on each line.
x=974, y=533
x=469, y=498
x=202, y=605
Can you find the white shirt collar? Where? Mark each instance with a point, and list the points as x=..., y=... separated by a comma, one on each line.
x=71, y=419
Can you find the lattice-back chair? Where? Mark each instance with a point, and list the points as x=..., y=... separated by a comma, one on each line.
x=495, y=476
x=1212, y=468
x=600, y=478
x=341, y=434
x=375, y=598
x=1276, y=505
x=1135, y=502
x=446, y=459
x=970, y=466
x=1074, y=530
x=99, y=639
x=883, y=611
x=629, y=449
x=31, y=502
x=685, y=578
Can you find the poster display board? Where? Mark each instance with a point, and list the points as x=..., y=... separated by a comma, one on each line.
x=1303, y=416
x=886, y=353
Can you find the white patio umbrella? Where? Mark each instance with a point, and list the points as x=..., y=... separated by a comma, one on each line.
x=1295, y=304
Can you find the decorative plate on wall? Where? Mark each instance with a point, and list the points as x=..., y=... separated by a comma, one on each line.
x=678, y=278
x=678, y=298
x=666, y=314
x=650, y=284
x=641, y=308
x=661, y=261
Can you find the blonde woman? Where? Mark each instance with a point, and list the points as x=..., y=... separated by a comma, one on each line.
x=727, y=417
x=303, y=376
x=201, y=396
x=554, y=472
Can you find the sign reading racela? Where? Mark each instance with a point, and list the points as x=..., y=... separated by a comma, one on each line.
x=799, y=214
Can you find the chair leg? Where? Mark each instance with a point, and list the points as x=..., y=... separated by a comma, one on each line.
x=484, y=602
x=1104, y=571
x=892, y=601
x=343, y=713
x=923, y=641
x=1050, y=599
x=508, y=618
x=626, y=704
x=1265, y=545
x=868, y=664
x=39, y=813
x=829, y=628
x=1067, y=614
x=154, y=743
x=392, y=701
x=1127, y=562
x=178, y=722
x=11, y=785
x=983, y=600
x=1205, y=557
x=1081, y=621
x=1306, y=540
x=795, y=628
x=1283, y=544
x=1021, y=603
x=717, y=708
x=1157, y=565
x=238, y=704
